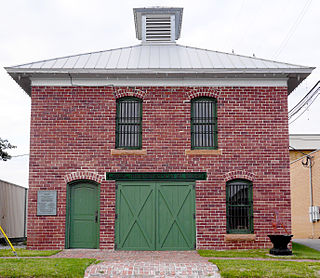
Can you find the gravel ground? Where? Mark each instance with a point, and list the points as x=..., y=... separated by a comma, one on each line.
x=16, y=246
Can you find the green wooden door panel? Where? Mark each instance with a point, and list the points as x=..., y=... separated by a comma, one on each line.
x=135, y=210
x=176, y=229
x=83, y=210
x=155, y=216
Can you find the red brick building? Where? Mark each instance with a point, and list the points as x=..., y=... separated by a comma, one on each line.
x=157, y=146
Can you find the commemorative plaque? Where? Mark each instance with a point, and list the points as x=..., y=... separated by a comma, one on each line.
x=47, y=202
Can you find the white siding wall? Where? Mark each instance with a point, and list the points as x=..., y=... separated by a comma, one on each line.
x=12, y=209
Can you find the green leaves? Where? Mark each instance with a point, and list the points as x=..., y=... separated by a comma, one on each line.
x=4, y=144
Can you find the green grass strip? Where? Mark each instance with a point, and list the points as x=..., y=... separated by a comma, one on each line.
x=44, y=267
x=276, y=269
x=299, y=252
x=21, y=252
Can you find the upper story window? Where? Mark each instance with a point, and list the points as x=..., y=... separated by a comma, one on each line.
x=239, y=207
x=129, y=123
x=204, y=123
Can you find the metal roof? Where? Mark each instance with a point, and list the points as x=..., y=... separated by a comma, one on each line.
x=162, y=57
x=305, y=141
x=159, y=60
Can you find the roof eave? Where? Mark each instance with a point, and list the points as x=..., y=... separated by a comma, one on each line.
x=294, y=76
x=306, y=70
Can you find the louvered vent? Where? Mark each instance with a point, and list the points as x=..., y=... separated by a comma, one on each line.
x=158, y=29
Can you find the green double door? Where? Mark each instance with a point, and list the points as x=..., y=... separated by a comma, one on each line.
x=83, y=216
x=155, y=216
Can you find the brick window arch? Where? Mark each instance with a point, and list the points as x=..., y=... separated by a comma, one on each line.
x=84, y=175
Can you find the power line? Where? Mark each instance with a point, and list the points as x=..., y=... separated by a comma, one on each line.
x=20, y=155
x=292, y=29
x=304, y=103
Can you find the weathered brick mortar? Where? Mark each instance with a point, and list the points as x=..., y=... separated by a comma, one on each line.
x=73, y=131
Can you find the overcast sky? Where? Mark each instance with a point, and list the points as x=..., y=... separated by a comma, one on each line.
x=32, y=30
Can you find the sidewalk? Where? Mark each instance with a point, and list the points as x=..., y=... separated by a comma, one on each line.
x=313, y=243
x=144, y=263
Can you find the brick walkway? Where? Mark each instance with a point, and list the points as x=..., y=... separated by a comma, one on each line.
x=144, y=263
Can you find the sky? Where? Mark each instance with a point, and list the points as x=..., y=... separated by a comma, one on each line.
x=33, y=30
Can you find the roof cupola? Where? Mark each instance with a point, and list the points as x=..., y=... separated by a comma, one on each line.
x=158, y=24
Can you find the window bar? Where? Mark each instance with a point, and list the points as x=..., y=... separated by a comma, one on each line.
x=134, y=125
x=125, y=135
x=197, y=124
x=211, y=125
x=135, y=121
x=129, y=121
x=196, y=141
x=201, y=123
x=205, y=123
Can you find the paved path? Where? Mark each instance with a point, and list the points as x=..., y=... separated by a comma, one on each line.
x=144, y=263
x=313, y=243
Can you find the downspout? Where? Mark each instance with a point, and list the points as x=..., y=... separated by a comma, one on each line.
x=310, y=179
x=25, y=213
x=309, y=159
x=308, y=163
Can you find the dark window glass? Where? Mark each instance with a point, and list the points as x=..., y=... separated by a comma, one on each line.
x=129, y=123
x=239, y=207
x=203, y=123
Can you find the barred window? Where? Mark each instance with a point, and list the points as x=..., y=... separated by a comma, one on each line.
x=129, y=123
x=204, y=123
x=239, y=207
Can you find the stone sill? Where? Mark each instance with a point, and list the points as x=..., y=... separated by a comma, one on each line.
x=239, y=237
x=203, y=152
x=128, y=152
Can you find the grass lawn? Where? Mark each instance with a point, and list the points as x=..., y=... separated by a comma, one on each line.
x=27, y=253
x=252, y=268
x=299, y=252
x=44, y=267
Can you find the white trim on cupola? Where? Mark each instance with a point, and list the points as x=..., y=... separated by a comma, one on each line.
x=157, y=24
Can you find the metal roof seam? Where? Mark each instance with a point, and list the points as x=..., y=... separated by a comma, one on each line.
x=116, y=66
x=209, y=58
x=230, y=61
x=74, y=65
x=188, y=57
x=197, y=54
x=98, y=59
x=108, y=60
x=65, y=62
x=89, y=55
x=129, y=57
x=241, y=62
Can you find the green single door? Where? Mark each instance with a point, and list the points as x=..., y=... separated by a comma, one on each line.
x=83, y=216
x=155, y=216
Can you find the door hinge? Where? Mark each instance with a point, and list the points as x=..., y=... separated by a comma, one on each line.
x=116, y=216
x=194, y=216
x=194, y=186
x=116, y=186
x=115, y=246
x=195, y=246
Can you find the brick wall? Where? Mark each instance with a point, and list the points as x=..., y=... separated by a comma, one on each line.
x=73, y=130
